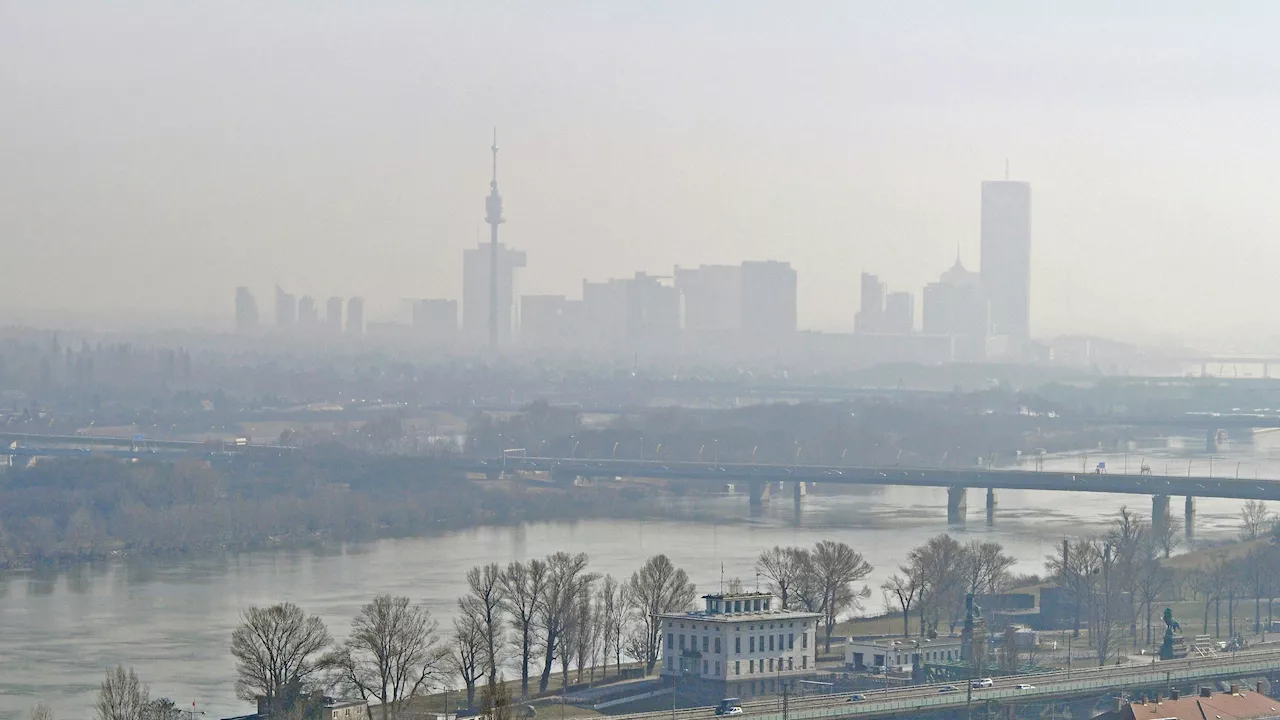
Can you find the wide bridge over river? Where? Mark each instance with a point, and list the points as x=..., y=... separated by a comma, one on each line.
x=761, y=478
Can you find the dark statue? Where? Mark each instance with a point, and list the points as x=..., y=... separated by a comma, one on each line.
x=1170, y=626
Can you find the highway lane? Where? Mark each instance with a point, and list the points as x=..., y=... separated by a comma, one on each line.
x=1054, y=684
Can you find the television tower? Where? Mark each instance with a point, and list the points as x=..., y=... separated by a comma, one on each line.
x=493, y=216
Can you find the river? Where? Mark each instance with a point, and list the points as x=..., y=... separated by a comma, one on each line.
x=171, y=618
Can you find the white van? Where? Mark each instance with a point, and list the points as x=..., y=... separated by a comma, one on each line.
x=982, y=683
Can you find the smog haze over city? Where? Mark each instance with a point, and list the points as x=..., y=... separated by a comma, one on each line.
x=429, y=360
x=160, y=154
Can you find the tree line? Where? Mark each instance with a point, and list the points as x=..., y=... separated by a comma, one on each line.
x=541, y=617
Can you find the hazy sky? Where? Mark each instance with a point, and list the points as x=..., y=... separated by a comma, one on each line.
x=153, y=155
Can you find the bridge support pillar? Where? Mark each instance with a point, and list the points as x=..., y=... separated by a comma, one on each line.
x=991, y=506
x=1159, y=514
x=798, y=490
x=759, y=492
x=1189, y=515
x=957, y=504
x=1211, y=440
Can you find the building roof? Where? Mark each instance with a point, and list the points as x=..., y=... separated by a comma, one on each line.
x=1246, y=705
x=704, y=616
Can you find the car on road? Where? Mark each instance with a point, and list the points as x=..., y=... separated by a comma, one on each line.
x=1024, y=686
x=856, y=697
x=735, y=710
x=982, y=683
x=729, y=706
x=947, y=689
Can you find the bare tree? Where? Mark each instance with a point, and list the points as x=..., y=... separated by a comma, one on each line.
x=782, y=567
x=612, y=610
x=467, y=651
x=277, y=650
x=122, y=696
x=485, y=598
x=987, y=566
x=392, y=654
x=904, y=591
x=1153, y=580
x=1076, y=569
x=163, y=709
x=1254, y=520
x=658, y=587
x=40, y=712
x=523, y=585
x=941, y=567
x=837, y=566
x=565, y=574
x=586, y=632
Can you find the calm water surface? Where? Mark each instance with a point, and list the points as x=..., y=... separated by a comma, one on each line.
x=172, y=618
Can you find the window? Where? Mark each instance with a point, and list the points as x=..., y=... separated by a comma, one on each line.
x=705, y=640
x=791, y=641
x=751, y=667
x=737, y=646
x=717, y=647
x=771, y=643
x=791, y=663
x=770, y=664
x=753, y=645
x=804, y=662
x=717, y=668
x=804, y=640
x=681, y=641
x=780, y=639
x=671, y=640
x=737, y=667
x=704, y=667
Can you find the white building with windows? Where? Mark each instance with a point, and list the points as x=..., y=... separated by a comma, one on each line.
x=738, y=645
x=899, y=654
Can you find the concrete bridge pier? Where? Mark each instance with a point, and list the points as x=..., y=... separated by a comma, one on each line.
x=991, y=506
x=759, y=492
x=1159, y=514
x=957, y=504
x=1189, y=515
x=798, y=490
x=1211, y=440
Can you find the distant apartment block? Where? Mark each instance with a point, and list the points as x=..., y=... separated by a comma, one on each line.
x=712, y=297
x=355, y=316
x=768, y=299
x=286, y=310
x=333, y=315
x=308, y=313
x=436, y=321
x=551, y=321
x=475, y=293
x=899, y=313
x=246, y=312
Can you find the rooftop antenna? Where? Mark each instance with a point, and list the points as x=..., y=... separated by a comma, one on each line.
x=757, y=581
x=721, y=578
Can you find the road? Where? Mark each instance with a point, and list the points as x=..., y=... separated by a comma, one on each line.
x=1046, y=686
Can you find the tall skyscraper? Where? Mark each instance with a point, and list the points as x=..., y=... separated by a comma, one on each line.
x=768, y=299
x=355, y=316
x=333, y=315
x=956, y=305
x=286, y=309
x=870, y=315
x=246, y=312
x=308, y=313
x=899, y=313
x=1006, y=255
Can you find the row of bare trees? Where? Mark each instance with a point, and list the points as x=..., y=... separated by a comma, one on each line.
x=542, y=612
x=939, y=574
x=819, y=579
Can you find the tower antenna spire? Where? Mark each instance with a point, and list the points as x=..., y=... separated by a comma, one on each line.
x=494, y=182
x=493, y=216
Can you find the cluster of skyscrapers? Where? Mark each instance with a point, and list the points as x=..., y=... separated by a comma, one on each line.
x=968, y=309
x=300, y=314
x=723, y=307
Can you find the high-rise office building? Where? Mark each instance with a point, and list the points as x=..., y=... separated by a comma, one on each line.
x=712, y=298
x=333, y=315
x=246, y=312
x=956, y=305
x=899, y=313
x=870, y=315
x=768, y=299
x=477, y=272
x=286, y=309
x=436, y=321
x=355, y=316
x=308, y=313
x=1006, y=255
